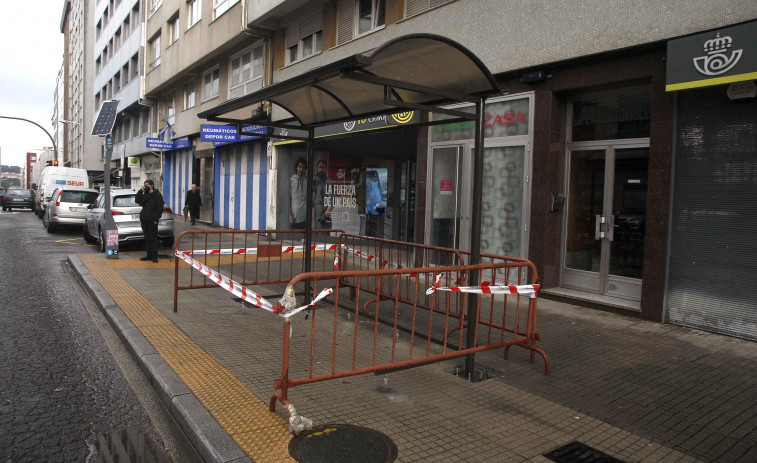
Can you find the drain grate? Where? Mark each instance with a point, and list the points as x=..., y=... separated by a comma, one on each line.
x=578, y=452
x=342, y=443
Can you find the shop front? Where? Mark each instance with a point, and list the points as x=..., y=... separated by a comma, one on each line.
x=371, y=169
x=505, y=207
x=713, y=225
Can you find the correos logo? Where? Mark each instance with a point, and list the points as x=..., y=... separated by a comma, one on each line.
x=717, y=60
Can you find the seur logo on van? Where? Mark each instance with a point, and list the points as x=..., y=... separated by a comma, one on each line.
x=74, y=183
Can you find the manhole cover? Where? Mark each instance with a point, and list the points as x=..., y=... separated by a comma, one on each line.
x=342, y=443
x=578, y=452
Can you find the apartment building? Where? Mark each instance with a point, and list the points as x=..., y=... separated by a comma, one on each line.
x=579, y=174
x=200, y=53
x=80, y=148
x=118, y=75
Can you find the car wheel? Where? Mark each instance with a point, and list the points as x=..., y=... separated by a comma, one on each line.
x=44, y=221
x=102, y=241
x=87, y=237
x=167, y=242
x=50, y=228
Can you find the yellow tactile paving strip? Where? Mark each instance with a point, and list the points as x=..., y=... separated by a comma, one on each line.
x=261, y=434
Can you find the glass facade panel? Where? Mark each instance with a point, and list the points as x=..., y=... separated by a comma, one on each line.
x=502, y=119
x=612, y=115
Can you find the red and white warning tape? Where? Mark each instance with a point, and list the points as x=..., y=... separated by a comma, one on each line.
x=237, y=251
x=229, y=285
x=526, y=290
x=247, y=294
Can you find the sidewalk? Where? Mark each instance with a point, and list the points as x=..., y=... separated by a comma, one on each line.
x=636, y=390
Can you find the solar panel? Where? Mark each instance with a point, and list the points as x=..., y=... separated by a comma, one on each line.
x=105, y=118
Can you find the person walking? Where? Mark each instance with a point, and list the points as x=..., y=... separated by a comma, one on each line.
x=193, y=203
x=298, y=197
x=152, y=208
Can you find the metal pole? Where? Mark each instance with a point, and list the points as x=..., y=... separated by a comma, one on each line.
x=111, y=250
x=55, y=146
x=475, y=249
x=309, y=210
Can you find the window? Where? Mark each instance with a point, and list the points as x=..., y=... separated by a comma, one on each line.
x=154, y=5
x=173, y=29
x=117, y=82
x=303, y=37
x=169, y=110
x=246, y=67
x=134, y=67
x=210, y=84
x=194, y=12
x=356, y=17
x=221, y=6
x=190, y=94
x=127, y=26
x=370, y=15
x=135, y=127
x=145, y=127
x=154, y=45
x=98, y=63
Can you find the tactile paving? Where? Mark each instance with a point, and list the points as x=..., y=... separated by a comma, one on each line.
x=261, y=434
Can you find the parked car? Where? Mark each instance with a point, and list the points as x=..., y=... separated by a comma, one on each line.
x=125, y=211
x=67, y=206
x=15, y=198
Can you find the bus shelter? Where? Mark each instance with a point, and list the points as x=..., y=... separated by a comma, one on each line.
x=419, y=72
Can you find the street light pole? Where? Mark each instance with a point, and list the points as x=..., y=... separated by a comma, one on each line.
x=55, y=146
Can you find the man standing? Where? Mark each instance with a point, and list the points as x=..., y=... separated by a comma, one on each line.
x=298, y=197
x=193, y=202
x=322, y=198
x=152, y=209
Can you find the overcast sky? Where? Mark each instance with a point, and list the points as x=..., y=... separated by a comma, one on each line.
x=31, y=53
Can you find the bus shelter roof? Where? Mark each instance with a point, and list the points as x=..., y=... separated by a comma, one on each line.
x=412, y=72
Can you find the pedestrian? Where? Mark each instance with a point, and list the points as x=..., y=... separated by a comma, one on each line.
x=193, y=203
x=323, y=195
x=152, y=208
x=298, y=196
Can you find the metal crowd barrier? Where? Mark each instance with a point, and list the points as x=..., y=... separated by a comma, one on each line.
x=334, y=343
x=370, y=304
x=250, y=257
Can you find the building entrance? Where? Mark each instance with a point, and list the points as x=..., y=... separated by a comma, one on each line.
x=606, y=216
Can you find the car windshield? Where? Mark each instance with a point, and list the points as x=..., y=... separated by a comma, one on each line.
x=19, y=193
x=84, y=197
x=124, y=201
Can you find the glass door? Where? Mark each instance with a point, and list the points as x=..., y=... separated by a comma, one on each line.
x=606, y=215
x=446, y=222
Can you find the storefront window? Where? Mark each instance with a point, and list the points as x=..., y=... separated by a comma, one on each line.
x=611, y=115
x=503, y=119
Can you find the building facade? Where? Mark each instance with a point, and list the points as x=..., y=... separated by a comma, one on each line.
x=119, y=75
x=81, y=149
x=199, y=54
x=583, y=155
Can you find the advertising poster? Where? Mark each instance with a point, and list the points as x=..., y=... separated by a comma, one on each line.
x=344, y=173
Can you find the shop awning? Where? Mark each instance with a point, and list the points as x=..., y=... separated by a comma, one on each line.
x=414, y=72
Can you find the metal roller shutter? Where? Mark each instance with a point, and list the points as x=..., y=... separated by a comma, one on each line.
x=712, y=275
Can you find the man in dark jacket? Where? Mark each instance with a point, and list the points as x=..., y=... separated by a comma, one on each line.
x=193, y=203
x=152, y=209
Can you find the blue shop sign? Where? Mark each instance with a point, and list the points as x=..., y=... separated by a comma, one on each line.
x=224, y=134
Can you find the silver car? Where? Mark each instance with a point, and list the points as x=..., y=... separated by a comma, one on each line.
x=67, y=206
x=125, y=211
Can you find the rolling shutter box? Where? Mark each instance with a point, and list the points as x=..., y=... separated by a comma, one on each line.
x=713, y=242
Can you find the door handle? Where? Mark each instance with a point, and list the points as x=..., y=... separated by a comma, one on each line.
x=610, y=227
x=598, y=229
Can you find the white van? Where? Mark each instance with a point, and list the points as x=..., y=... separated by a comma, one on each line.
x=54, y=177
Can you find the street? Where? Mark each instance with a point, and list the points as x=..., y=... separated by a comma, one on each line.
x=68, y=387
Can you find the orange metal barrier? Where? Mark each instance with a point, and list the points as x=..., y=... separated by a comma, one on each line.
x=363, y=253
x=250, y=257
x=335, y=344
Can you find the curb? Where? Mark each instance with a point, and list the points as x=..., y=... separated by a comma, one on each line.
x=207, y=436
